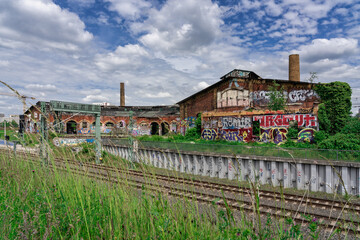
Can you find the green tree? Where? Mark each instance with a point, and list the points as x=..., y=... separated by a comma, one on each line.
x=324, y=121
x=198, y=124
x=277, y=97
x=336, y=97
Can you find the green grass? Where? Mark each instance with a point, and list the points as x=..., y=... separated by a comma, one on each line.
x=9, y=132
x=39, y=202
x=254, y=150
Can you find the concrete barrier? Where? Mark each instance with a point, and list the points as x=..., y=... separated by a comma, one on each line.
x=323, y=176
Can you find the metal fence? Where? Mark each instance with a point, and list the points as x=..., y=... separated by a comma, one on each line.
x=282, y=152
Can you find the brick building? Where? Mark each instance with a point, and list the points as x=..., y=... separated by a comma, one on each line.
x=147, y=120
x=232, y=106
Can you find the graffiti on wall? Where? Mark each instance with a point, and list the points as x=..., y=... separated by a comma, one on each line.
x=233, y=97
x=187, y=123
x=237, y=73
x=235, y=122
x=209, y=123
x=303, y=120
x=306, y=135
x=276, y=135
x=298, y=95
x=142, y=129
x=209, y=134
x=70, y=141
x=301, y=95
x=238, y=135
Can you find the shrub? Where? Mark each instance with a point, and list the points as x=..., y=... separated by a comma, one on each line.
x=353, y=126
x=341, y=141
x=192, y=134
x=292, y=133
x=320, y=136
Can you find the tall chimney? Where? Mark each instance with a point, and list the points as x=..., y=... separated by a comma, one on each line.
x=122, y=94
x=294, y=67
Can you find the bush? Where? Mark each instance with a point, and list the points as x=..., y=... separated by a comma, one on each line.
x=192, y=134
x=292, y=133
x=353, y=126
x=320, y=136
x=341, y=141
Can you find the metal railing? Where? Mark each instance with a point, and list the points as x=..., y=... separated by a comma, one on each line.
x=282, y=152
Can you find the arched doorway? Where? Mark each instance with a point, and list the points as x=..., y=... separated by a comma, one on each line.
x=109, y=125
x=71, y=127
x=164, y=128
x=154, y=128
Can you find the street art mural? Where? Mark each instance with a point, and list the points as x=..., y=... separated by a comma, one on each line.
x=294, y=96
x=187, y=123
x=235, y=122
x=70, y=141
x=276, y=135
x=237, y=73
x=303, y=120
x=209, y=134
x=233, y=97
x=306, y=135
x=142, y=129
x=239, y=135
x=173, y=127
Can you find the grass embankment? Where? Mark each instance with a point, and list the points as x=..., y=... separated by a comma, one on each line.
x=44, y=203
x=300, y=150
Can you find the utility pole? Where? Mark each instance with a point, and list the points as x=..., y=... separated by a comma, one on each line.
x=5, y=131
x=131, y=139
x=98, y=139
x=44, y=135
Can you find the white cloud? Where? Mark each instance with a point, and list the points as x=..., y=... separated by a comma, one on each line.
x=132, y=10
x=201, y=85
x=129, y=55
x=158, y=95
x=40, y=87
x=334, y=48
x=95, y=98
x=40, y=23
x=83, y=3
x=273, y=9
x=182, y=26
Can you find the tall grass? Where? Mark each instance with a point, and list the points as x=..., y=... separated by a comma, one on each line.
x=43, y=202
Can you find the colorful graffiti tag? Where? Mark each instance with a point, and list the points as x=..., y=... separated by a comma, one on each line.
x=233, y=97
x=209, y=134
x=235, y=123
x=239, y=135
x=297, y=95
x=70, y=141
x=276, y=135
x=306, y=135
x=303, y=120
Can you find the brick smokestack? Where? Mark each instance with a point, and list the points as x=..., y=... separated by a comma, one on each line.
x=122, y=94
x=294, y=67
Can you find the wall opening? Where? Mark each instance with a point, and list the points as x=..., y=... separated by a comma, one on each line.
x=109, y=124
x=71, y=127
x=256, y=128
x=154, y=128
x=164, y=128
x=84, y=125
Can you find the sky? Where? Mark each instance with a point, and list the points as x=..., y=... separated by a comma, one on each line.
x=166, y=50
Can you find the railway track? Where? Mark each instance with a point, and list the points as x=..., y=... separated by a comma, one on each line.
x=330, y=214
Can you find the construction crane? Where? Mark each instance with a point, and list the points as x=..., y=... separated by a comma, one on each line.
x=15, y=93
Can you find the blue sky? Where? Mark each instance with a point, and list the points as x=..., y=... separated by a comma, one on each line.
x=164, y=51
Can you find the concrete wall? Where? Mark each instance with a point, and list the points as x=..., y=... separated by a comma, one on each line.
x=301, y=174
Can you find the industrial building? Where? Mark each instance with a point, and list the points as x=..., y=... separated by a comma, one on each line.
x=235, y=109
x=230, y=107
